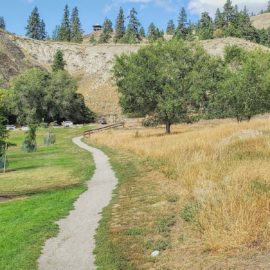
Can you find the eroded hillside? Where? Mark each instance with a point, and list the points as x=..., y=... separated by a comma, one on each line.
x=91, y=65
x=261, y=21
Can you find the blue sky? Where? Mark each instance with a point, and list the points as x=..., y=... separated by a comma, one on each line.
x=16, y=12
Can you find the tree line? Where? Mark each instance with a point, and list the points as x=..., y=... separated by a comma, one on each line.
x=38, y=96
x=229, y=21
x=177, y=81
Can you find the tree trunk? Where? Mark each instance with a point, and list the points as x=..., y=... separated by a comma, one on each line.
x=168, y=127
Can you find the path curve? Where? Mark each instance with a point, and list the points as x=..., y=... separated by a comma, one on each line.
x=73, y=248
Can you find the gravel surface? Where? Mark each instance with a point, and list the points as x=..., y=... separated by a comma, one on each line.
x=73, y=248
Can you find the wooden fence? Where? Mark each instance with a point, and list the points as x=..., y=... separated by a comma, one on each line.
x=100, y=129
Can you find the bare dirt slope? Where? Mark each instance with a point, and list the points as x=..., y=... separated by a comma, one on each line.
x=261, y=21
x=90, y=64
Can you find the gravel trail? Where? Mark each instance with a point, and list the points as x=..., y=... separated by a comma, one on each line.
x=72, y=248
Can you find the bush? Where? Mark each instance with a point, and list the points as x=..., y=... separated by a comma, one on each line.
x=50, y=138
x=219, y=33
x=30, y=144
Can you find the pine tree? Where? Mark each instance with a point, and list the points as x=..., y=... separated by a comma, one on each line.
x=65, y=30
x=219, y=19
x=205, y=28
x=58, y=61
x=76, y=28
x=229, y=13
x=43, y=33
x=35, y=26
x=55, y=34
x=152, y=32
x=181, y=31
x=106, y=31
x=142, y=32
x=170, y=28
x=2, y=23
x=120, y=26
x=268, y=7
x=132, y=34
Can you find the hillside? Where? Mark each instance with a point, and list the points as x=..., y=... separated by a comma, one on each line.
x=261, y=21
x=90, y=64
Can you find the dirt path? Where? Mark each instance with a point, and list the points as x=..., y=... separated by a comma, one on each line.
x=73, y=247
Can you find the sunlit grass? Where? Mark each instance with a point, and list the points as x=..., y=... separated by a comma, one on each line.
x=222, y=167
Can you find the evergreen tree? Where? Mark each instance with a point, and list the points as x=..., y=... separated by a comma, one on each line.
x=142, y=32
x=170, y=28
x=219, y=19
x=120, y=26
x=106, y=31
x=65, y=29
x=132, y=34
x=35, y=26
x=152, y=32
x=2, y=23
x=43, y=33
x=205, y=28
x=76, y=27
x=268, y=7
x=56, y=33
x=229, y=13
x=58, y=61
x=181, y=31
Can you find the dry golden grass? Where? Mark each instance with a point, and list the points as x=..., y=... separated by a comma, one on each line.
x=220, y=171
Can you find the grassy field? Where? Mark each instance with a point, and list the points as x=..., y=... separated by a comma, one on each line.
x=202, y=196
x=45, y=185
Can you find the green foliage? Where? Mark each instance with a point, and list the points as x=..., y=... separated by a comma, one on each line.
x=182, y=31
x=3, y=142
x=132, y=34
x=65, y=27
x=245, y=91
x=205, y=27
x=164, y=224
x=154, y=33
x=50, y=138
x=106, y=31
x=234, y=54
x=30, y=143
x=39, y=96
x=76, y=27
x=188, y=213
x=120, y=26
x=142, y=32
x=58, y=61
x=35, y=26
x=135, y=231
x=167, y=79
x=170, y=28
x=2, y=23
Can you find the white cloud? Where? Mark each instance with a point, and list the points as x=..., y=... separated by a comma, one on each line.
x=199, y=6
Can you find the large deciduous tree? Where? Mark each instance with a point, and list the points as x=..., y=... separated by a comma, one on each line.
x=165, y=79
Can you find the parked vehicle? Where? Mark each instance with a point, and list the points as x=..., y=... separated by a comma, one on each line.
x=102, y=121
x=10, y=127
x=67, y=124
x=25, y=128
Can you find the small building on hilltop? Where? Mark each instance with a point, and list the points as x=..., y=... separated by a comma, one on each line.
x=97, y=27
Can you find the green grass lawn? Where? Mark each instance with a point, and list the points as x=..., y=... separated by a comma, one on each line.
x=48, y=182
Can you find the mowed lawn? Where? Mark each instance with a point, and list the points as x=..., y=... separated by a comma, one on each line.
x=44, y=185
